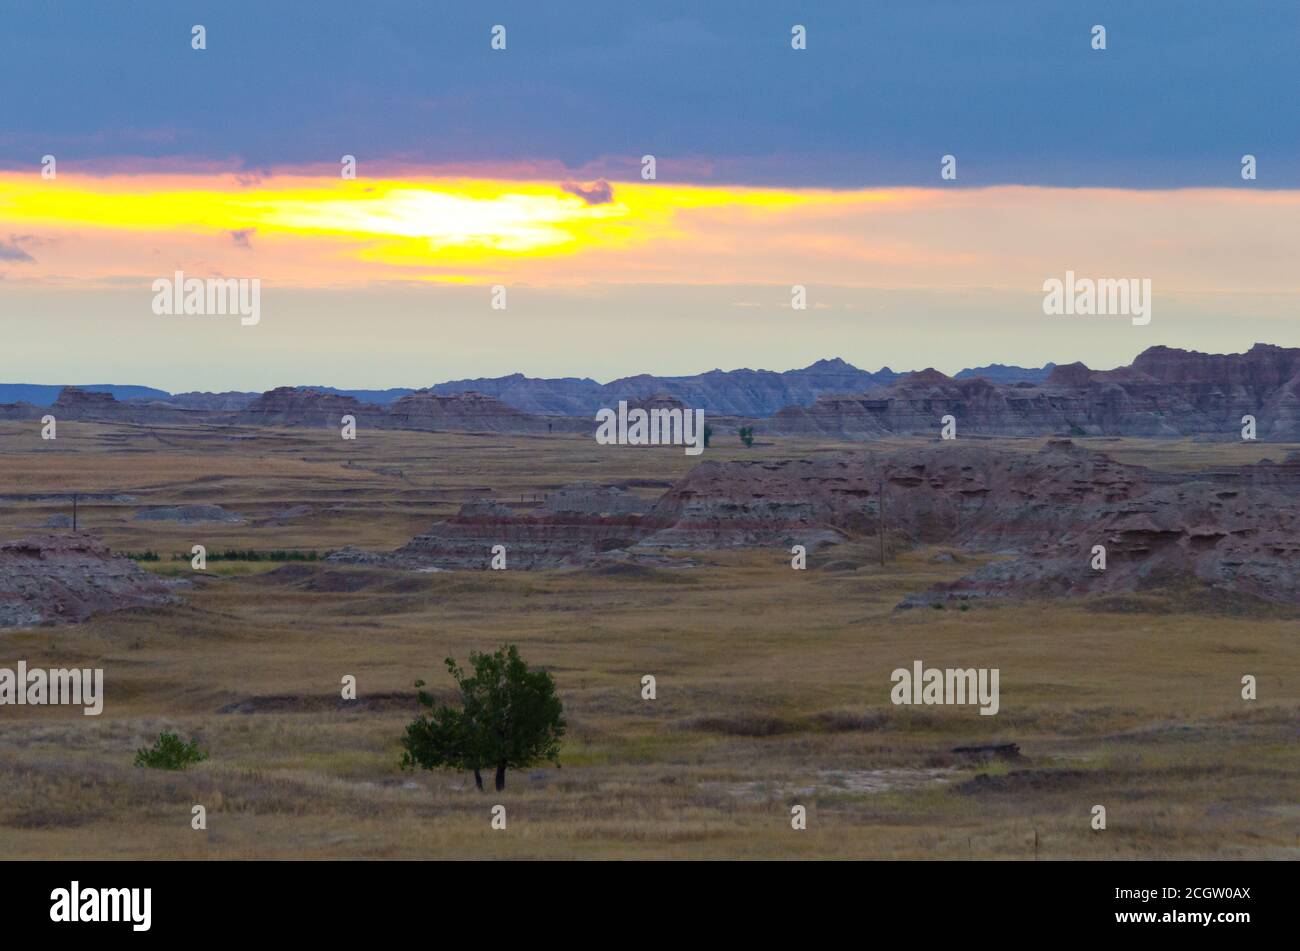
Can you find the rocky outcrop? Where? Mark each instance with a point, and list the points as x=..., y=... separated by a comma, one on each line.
x=291, y=406
x=531, y=542
x=472, y=412
x=97, y=406
x=943, y=493
x=74, y=403
x=1072, y=374
x=21, y=410
x=567, y=396
x=1001, y=373
x=744, y=393
x=59, y=578
x=656, y=401
x=576, y=525
x=1166, y=392
x=1245, y=541
x=947, y=492
x=1234, y=529
x=588, y=498
x=419, y=410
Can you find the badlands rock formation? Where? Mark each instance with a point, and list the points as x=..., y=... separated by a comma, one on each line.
x=78, y=404
x=1240, y=539
x=531, y=541
x=1165, y=392
x=588, y=498
x=53, y=578
x=422, y=410
x=289, y=406
x=1001, y=373
x=745, y=393
x=95, y=406
x=949, y=492
x=577, y=524
x=1235, y=529
x=473, y=412
x=294, y=406
x=21, y=410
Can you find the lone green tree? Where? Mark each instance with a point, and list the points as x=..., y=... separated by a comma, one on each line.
x=746, y=435
x=509, y=717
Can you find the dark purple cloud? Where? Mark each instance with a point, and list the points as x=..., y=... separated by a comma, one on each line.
x=10, y=250
x=597, y=193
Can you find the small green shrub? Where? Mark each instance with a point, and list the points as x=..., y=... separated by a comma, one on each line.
x=169, y=752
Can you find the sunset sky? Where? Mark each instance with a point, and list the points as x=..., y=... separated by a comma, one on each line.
x=522, y=167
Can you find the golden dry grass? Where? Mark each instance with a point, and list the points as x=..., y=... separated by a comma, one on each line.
x=773, y=685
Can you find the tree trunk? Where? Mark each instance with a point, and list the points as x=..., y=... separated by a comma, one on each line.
x=478, y=780
x=501, y=777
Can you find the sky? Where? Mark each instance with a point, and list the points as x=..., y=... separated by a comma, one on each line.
x=523, y=167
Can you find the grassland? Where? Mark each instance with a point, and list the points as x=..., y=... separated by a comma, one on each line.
x=773, y=685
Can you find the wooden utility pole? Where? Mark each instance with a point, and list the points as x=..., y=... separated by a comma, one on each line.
x=74, y=511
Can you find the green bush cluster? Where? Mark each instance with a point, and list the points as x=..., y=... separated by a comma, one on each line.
x=169, y=752
x=248, y=554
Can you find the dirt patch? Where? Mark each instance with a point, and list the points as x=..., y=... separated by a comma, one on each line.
x=187, y=514
x=738, y=725
x=987, y=752
x=842, y=564
x=632, y=571
x=46, y=818
x=342, y=582
x=287, y=574
x=317, y=703
x=334, y=580
x=848, y=721
x=829, y=782
x=1178, y=597
x=1025, y=780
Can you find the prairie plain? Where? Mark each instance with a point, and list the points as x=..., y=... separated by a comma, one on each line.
x=773, y=685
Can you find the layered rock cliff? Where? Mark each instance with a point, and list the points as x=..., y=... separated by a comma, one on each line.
x=290, y=406
x=743, y=393
x=1165, y=392
x=58, y=578
x=1234, y=529
x=473, y=412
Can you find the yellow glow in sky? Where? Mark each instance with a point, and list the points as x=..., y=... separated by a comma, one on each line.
x=410, y=222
